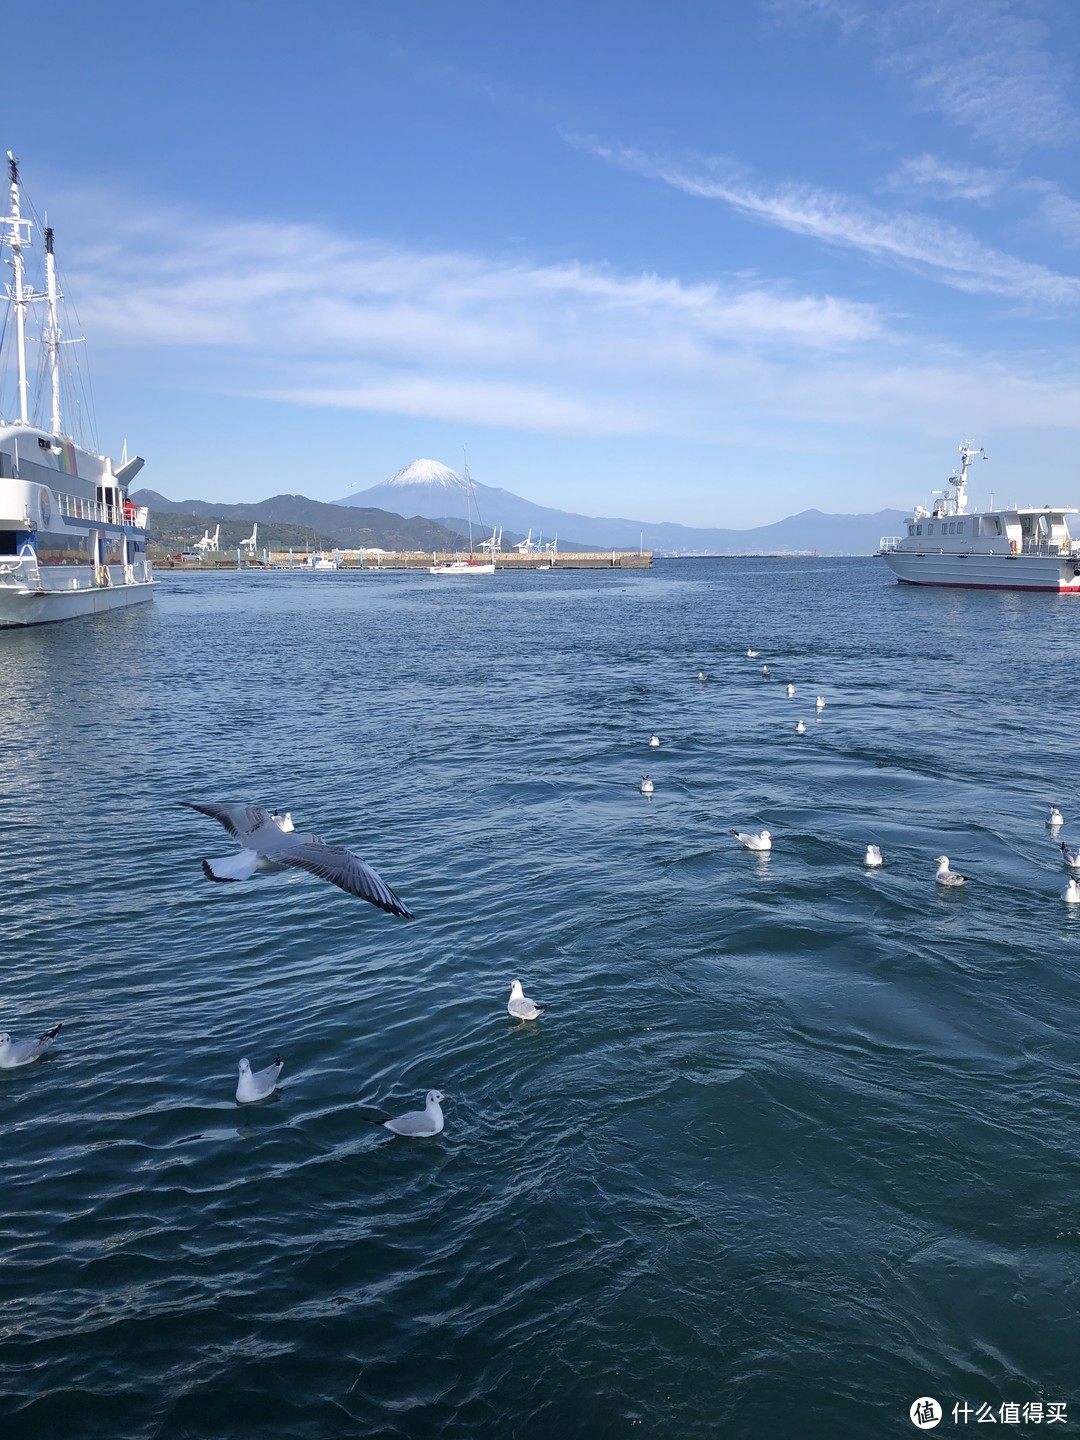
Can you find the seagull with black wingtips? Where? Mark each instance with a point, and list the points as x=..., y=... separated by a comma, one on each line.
x=265, y=844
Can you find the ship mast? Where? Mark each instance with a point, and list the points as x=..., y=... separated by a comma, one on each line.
x=20, y=297
x=968, y=451
x=52, y=339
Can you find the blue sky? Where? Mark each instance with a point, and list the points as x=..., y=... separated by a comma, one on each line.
x=698, y=262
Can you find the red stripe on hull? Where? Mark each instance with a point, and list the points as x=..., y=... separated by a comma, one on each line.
x=971, y=585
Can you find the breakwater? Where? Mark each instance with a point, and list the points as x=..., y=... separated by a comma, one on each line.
x=412, y=560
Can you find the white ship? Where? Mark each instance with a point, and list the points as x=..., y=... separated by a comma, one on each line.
x=71, y=542
x=1014, y=547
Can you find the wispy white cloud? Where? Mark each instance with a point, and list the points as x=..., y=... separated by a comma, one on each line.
x=941, y=251
x=928, y=175
x=991, y=66
x=313, y=318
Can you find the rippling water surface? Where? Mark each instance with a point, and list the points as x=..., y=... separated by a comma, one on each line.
x=794, y=1143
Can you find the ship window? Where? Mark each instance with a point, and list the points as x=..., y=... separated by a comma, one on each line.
x=959, y=527
x=9, y=542
x=911, y=529
x=918, y=529
x=929, y=529
x=952, y=527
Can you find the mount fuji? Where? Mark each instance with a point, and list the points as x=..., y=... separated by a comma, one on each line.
x=432, y=490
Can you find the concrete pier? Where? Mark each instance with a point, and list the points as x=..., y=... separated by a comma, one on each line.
x=419, y=560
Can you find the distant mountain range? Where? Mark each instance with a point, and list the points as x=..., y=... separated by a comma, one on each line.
x=292, y=520
x=433, y=490
x=436, y=499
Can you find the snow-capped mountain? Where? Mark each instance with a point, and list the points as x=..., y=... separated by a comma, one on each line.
x=429, y=473
x=447, y=503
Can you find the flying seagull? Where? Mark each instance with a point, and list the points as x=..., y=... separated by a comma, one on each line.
x=520, y=1007
x=259, y=1085
x=14, y=1053
x=265, y=843
x=428, y=1121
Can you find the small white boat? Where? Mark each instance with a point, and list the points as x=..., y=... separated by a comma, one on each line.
x=470, y=565
x=1013, y=547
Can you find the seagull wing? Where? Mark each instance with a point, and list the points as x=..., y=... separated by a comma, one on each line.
x=345, y=870
x=239, y=819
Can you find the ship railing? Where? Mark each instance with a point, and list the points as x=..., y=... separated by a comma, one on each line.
x=77, y=507
x=1046, y=547
x=889, y=542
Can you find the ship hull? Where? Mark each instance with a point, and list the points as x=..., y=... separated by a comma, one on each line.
x=986, y=572
x=20, y=606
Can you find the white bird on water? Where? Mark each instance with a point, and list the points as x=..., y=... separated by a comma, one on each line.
x=819, y=703
x=873, y=857
x=419, y=1123
x=259, y=1084
x=790, y=691
x=268, y=840
x=1071, y=893
x=646, y=785
x=763, y=841
x=1071, y=857
x=520, y=1007
x=766, y=673
x=945, y=876
x=800, y=728
x=1054, y=817
x=14, y=1053
x=753, y=654
x=654, y=741
x=702, y=677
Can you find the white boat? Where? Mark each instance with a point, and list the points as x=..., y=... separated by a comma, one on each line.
x=470, y=566
x=71, y=542
x=1011, y=547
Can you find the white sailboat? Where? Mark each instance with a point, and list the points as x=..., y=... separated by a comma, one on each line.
x=471, y=566
x=71, y=542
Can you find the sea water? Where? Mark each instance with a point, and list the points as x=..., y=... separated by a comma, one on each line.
x=794, y=1143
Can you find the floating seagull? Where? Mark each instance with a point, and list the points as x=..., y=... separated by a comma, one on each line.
x=873, y=857
x=646, y=785
x=753, y=654
x=259, y=1085
x=754, y=842
x=14, y=1053
x=702, y=677
x=265, y=842
x=945, y=876
x=766, y=673
x=428, y=1121
x=1054, y=817
x=1071, y=857
x=819, y=703
x=520, y=1007
x=1071, y=893
x=654, y=741
x=800, y=728
x=283, y=822
x=790, y=691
